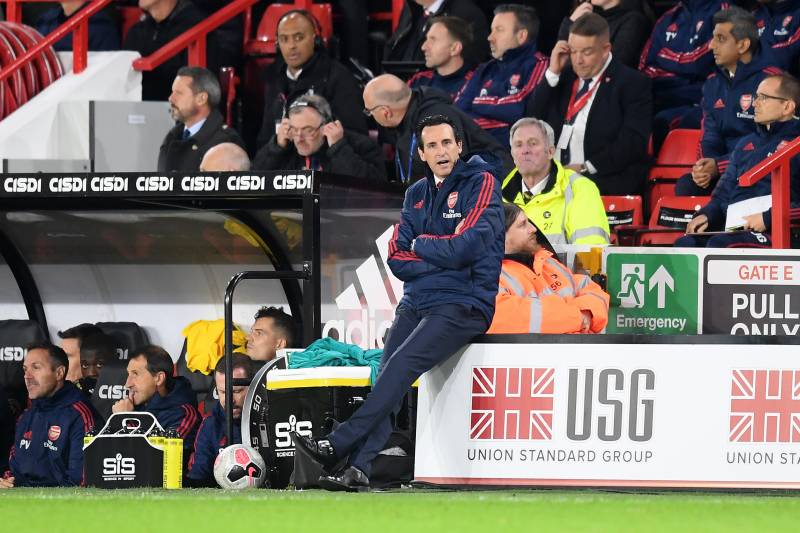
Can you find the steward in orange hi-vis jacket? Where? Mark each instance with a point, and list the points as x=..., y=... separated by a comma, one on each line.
x=537, y=293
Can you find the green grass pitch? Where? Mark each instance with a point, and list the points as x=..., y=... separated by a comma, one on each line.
x=190, y=510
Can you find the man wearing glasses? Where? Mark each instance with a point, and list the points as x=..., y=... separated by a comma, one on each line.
x=745, y=212
x=310, y=139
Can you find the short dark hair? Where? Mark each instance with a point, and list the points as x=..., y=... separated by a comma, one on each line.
x=158, y=360
x=58, y=357
x=203, y=81
x=590, y=25
x=526, y=16
x=789, y=88
x=435, y=120
x=80, y=332
x=744, y=24
x=100, y=346
x=459, y=29
x=511, y=212
x=240, y=360
x=281, y=321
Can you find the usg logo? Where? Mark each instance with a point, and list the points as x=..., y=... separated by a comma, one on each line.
x=112, y=392
x=282, y=430
x=119, y=468
x=292, y=181
x=12, y=353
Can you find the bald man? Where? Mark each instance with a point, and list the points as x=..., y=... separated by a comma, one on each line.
x=225, y=157
x=398, y=110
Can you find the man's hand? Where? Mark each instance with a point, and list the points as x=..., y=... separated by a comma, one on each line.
x=703, y=171
x=586, y=321
x=581, y=10
x=283, y=133
x=697, y=225
x=755, y=222
x=559, y=57
x=123, y=405
x=333, y=132
x=7, y=483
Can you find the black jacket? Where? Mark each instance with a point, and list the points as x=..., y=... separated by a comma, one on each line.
x=426, y=102
x=618, y=127
x=354, y=155
x=629, y=27
x=177, y=154
x=405, y=44
x=321, y=75
x=147, y=36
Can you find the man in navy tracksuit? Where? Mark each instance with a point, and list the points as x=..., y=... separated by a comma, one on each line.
x=447, y=250
x=495, y=95
x=444, y=46
x=211, y=437
x=776, y=107
x=48, y=444
x=678, y=59
x=728, y=94
x=152, y=388
x=779, y=27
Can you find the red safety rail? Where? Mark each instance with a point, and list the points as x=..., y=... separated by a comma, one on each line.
x=77, y=24
x=778, y=165
x=195, y=38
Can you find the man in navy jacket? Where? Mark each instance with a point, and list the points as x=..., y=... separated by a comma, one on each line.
x=154, y=389
x=48, y=444
x=447, y=250
x=776, y=115
x=728, y=111
x=778, y=24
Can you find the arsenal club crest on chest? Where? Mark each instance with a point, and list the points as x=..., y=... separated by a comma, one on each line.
x=452, y=199
x=745, y=101
x=513, y=82
x=53, y=433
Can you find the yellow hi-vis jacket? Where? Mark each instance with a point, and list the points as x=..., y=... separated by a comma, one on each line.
x=568, y=211
x=546, y=298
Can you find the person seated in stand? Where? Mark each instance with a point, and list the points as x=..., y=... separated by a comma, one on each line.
x=48, y=443
x=212, y=437
x=727, y=97
x=152, y=388
x=225, y=157
x=96, y=351
x=443, y=48
x=495, y=95
x=600, y=109
x=310, y=138
x=103, y=30
x=776, y=102
x=527, y=302
x=778, y=24
x=272, y=330
x=71, y=340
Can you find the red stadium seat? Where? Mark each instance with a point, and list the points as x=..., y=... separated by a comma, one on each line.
x=661, y=182
x=669, y=219
x=680, y=148
x=264, y=42
x=622, y=211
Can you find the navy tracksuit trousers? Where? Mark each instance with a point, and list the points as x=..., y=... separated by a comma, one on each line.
x=416, y=342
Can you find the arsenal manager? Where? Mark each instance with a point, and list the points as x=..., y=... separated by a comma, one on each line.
x=447, y=250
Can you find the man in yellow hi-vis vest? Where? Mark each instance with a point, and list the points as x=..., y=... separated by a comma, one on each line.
x=563, y=204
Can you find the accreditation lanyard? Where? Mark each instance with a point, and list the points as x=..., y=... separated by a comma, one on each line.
x=404, y=178
x=310, y=164
x=574, y=107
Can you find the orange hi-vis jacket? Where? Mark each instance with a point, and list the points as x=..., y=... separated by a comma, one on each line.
x=546, y=299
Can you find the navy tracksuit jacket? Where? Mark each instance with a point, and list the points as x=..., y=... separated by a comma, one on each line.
x=210, y=440
x=48, y=444
x=779, y=29
x=728, y=107
x=177, y=410
x=450, y=84
x=677, y=56
x=751, y=150
x=495, y=96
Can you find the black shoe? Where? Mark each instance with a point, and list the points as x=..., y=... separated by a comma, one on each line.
x=320, y=450
x=349, y=479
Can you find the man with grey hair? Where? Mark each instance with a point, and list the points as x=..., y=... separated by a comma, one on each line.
x=564, y=205
x=310, y=137
x=225, y=157
x=199, y=126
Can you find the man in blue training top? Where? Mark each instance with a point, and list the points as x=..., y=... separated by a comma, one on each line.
x=444, y=46
x=48, y=444
x=211, y=437
x=447, y=250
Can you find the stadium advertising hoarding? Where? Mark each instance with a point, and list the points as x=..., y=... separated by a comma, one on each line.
x=584, y=414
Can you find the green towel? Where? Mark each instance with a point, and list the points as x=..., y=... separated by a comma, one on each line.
x=330, y=352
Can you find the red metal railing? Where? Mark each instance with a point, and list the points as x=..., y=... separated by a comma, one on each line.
x=77, y=24
x=778, y=165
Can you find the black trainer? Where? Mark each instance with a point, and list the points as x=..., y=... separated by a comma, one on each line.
x=320, y=450
x=349, y=479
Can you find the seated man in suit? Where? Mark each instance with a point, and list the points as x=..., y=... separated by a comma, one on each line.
x=310, y=138
x=600, y=110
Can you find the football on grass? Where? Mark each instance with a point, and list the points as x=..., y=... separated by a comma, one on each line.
x=239, y=467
